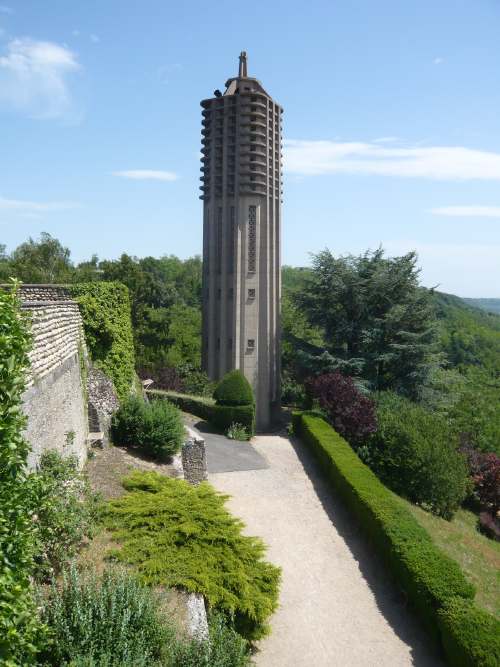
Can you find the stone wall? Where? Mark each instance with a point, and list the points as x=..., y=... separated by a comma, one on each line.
x=55, y=401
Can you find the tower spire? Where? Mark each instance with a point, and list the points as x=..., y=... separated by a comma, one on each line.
x=243, y=65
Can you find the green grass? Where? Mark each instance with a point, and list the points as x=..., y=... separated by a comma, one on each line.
x=176, y=534
x=478, y=556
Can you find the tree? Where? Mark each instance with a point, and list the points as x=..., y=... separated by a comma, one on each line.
x=377, y=322
x=42, y=261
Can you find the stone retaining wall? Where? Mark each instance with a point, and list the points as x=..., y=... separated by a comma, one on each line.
x=55, y=398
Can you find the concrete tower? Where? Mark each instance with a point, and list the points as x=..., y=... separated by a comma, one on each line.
x=241, y=193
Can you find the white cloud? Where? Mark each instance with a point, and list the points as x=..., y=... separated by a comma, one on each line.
x=147, y=175
x=94, y=38
x=22, y=206
x=6, y=10
x=468, y=211
x=33, y=78
x=433, y=162
x=465, y=269
x=438, y=61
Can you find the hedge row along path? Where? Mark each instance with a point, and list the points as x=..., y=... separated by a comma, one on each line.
x=338, y=608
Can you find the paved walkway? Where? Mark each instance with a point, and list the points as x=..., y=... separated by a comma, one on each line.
x=337, y=609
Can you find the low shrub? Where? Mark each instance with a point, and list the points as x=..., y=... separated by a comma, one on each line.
x=234, y=389
x=226, y=648
x=176, y=534
x=414, y=452
x=351, y=413
x=154, y=428
x=470, y=636
x=221, y=416
x=111, y=621
x=237, y=432
x=64, y=511
x=424, y=572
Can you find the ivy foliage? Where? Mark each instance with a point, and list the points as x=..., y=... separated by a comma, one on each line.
x=105, y=310
x=20, y=630
x=180, y=535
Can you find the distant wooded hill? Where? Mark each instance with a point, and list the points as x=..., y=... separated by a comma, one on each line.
x=490, y=305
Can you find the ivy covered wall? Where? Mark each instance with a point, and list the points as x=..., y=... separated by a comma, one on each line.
x=105, y=310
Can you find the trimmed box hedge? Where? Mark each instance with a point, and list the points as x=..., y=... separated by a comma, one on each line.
x=221, y=416
x=434, y=583
x=470, y=636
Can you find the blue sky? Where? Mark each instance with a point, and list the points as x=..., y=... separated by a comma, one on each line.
x=391, y=125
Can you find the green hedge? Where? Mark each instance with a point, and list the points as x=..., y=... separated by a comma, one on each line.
x=221, y=416
x=105, y=310
x=430, y=579
x=470, y=636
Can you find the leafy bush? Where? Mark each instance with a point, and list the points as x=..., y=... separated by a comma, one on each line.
x=234, y=389
x=64, y=511
x=485, y=474
x=350, y=412
x=105, y=310
x=414, y=452
x=470, y=636
x=111, y=621
x=155, y=428
x=423, y=571
x=237, y=432
x=176, y=534
x=20, y=630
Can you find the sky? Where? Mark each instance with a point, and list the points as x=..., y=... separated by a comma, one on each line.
x=391, y=125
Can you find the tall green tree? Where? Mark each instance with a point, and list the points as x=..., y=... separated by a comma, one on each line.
x=44, y=260
x=377, y=322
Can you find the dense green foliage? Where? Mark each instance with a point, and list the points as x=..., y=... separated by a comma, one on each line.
x=114, y=621
x=155, y=429
x=234, y=389
x=42, y=261
x=470, y=636
x=428, y=577
x=176, y=534
x=110, y=622
x=221, y=416
x=471, y=341
x=64, y=511
x=20, y=631
x=105, y=309
x=377, y=322
x=414, y=452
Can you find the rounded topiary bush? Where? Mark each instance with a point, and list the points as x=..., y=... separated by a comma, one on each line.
x=155, y=428
x=234, y=389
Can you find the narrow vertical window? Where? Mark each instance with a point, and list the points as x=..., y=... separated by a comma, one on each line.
x=252, y=238
x=230, y=236
x=219, y=239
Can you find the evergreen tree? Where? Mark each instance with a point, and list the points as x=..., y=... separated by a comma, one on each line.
x=378, y=323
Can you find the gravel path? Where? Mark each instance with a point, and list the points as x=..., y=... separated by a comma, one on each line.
x=337, y=608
